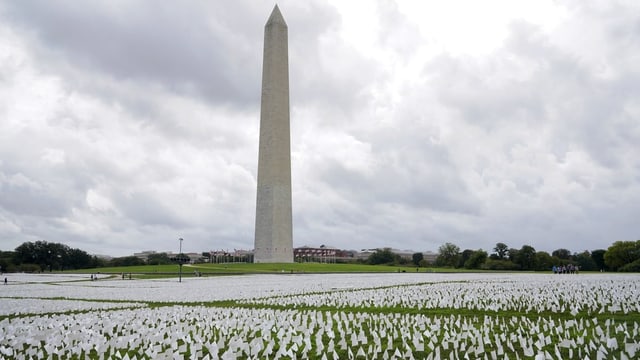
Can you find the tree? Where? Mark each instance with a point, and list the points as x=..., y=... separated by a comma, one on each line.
x=52, y=256
x=424, y=263
x=476, y=260
x=159, y=259
x=31, y=253
x=585, y=261
x=631, y=267
x=417, y=258
x=501, y=250
x=448, y=255
x=97, y=262
x=126, y=261
x=526, y=258
x=495, y=264
x=49, y=256
x=622, y=253
x=464, y=256
x=77, y=259
x=6, y=261
x=598, y=258
x=563, y=254
x=544, y=261
x=382, y=256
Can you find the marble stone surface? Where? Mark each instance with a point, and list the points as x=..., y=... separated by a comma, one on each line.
x=274, y=229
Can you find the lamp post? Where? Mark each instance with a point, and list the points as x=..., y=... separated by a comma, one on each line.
x=180, y=260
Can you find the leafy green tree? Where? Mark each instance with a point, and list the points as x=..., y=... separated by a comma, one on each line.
x=585, y=261
x=476, y=260
x=77, y=259
x=501, y=251
x=495, y=264
x=97, y=262
x=382, y=256
x=416, y=258
x=622, y=253
x=598, y=258
x=29, y=268
x=30, y=253
x=544, y=261
x=424, y=263
x=51, y=256
x=526, y=258
x=6, y=261
x=448, y=255
x=126, y=261
x=631, y=267
x=464, y=256
x=159, y=259
x=48, y=256
x=563, y=254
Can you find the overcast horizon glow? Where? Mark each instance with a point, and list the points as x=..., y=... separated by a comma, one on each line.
x=127, y=125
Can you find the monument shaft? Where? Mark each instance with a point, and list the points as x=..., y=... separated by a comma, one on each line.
x=274, y=233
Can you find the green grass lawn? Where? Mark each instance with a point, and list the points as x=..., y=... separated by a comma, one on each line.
x=248, y=268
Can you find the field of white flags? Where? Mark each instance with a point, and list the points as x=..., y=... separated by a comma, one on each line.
x=323, y=316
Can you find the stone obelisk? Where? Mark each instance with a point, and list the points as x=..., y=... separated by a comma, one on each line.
x=274, y=229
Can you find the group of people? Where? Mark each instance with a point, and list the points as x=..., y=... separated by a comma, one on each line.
x=565, y=269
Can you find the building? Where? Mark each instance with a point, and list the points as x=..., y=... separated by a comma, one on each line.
x=322, y=254
x=226, y=256
x=144, y=255
x=429, y=256
x=193, y=258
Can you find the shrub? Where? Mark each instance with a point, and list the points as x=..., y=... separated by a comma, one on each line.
x=383, y=256
x=29, y=268
x=492, y=264
x=631, y=267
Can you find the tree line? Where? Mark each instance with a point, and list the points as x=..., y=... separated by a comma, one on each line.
x=621, y=256
x=43, y=256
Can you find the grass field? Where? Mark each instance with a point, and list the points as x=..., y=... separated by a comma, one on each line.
x=248, y=268
x=323, y=316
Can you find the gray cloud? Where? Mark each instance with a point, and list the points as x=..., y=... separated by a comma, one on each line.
x=174, y=46
x=124, y=126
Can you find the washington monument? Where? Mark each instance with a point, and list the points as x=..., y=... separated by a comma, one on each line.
x=274, y=230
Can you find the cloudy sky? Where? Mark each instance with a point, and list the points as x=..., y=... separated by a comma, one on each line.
x=125, y=125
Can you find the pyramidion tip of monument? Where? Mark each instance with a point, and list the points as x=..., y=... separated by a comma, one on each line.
x=276, y=17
